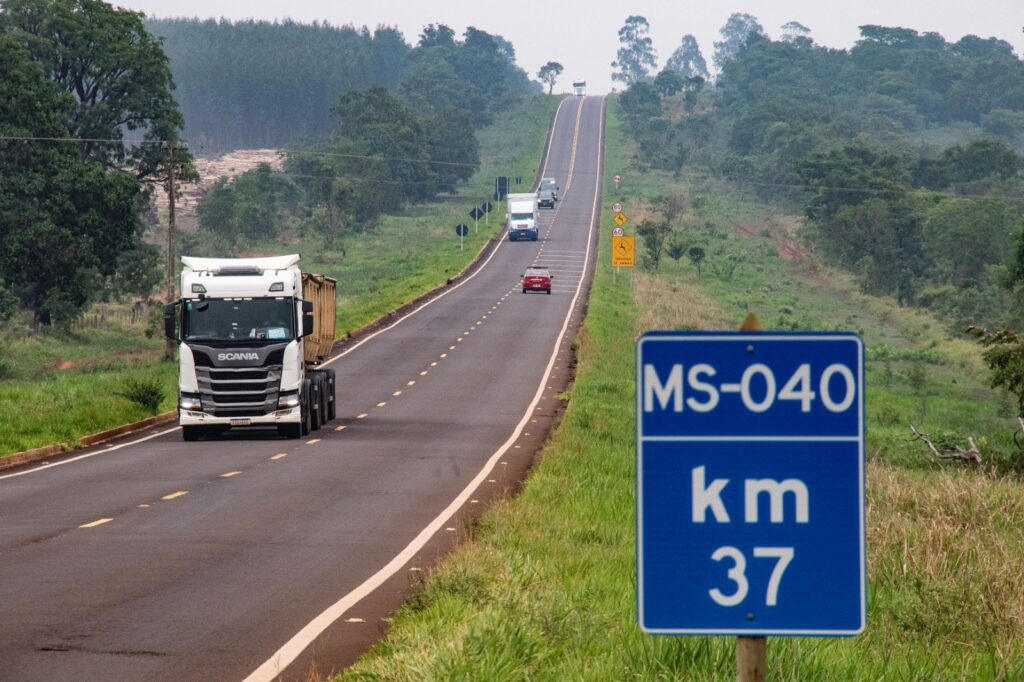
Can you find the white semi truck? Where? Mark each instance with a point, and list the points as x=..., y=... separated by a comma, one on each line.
x=521, y=216
x=252, y=333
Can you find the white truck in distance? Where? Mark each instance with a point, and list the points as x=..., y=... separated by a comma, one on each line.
x=521, y=216
x=251, y=333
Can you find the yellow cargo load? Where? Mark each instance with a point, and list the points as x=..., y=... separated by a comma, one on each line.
x=322, y=291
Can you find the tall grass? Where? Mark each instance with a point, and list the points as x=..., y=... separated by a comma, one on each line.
x=546, y=590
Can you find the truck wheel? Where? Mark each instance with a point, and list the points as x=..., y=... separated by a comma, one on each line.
x=332, y=396
x=316, y=415
x=549, y=292
x=191, y=433
x=322, y=403
x=305, y=408
x=290, y=430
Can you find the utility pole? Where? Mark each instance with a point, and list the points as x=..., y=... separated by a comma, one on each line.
x=171, y=346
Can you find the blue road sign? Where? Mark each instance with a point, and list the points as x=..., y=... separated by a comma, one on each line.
x=750, y=483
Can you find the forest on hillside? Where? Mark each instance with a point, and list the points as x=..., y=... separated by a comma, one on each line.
x=266, y=84
x=903, y=152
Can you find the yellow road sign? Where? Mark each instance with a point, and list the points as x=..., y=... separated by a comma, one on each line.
x=623, y=252
x=621, y=218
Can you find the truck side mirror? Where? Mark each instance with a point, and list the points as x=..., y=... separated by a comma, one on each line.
x=307, y=318
x=170, y=315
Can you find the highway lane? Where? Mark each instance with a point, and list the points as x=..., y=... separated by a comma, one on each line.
x=204, y=560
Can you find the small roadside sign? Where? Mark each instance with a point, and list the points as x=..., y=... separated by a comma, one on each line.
x=487, y=207
x=623, y=252
x=621, y=218
x=618, y=232
x=750, y=484
x=617, y=179
x=476, y=213
x=461, y=229
x=616, y=207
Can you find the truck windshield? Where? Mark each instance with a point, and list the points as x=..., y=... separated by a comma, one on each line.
x=239, y=321
x=522, y=216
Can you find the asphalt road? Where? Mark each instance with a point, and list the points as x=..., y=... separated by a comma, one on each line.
x=228, y=559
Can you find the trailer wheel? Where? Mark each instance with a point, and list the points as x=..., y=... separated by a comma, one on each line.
x=332, y=398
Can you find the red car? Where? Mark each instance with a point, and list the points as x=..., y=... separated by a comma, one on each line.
x=537, y=278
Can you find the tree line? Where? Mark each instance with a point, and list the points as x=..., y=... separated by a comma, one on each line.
x=245, y=84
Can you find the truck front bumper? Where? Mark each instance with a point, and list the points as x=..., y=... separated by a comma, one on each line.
x=290, y=415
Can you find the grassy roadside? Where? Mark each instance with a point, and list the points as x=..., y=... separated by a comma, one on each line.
x=58, y=388
x=545, y=590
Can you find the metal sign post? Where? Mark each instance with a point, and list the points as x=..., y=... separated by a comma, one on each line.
x=487, y=207
x=476, y=214
x=461, y=229
x=750, y=486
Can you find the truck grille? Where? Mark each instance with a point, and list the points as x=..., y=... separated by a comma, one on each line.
x=239, y=391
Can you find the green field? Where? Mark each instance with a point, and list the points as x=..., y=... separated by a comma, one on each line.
x=57, y=388
x=545, y=590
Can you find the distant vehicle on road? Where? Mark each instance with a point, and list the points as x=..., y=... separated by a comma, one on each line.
x=521, y=217
x=537, y=278
x=546, y=198
x=579, y=88
x=551, y=184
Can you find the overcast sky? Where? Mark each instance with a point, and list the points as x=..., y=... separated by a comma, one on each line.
x=582, y=35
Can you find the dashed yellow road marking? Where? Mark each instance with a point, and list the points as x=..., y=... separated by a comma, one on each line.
x=280, y=455
x=458, y=340
x=174, y=495
x=230, y=474
x=143, y=506
x=340, y=428
x=354, y=620
x=434, y=363
x=381, y=404
x=451, y=347
x=396, y=393
x=97, y=522
x=361, y=416
x=423, y=373
x=311, y=441
x=411, y=383
x=444, y=355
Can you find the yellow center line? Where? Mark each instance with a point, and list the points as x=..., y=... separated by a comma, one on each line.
x=173, y=495
x=451, y=347
x=97, y=522
x=411, y=383
x=423, y=373
x=230, y=474
x=312, y=441
x=340, y=428
x=361, y=416
x=434, y=363
x=381, y=404
x=396, y=393
x=280, y=455
x=143, y=506
x=444, y=355
x=458, y=340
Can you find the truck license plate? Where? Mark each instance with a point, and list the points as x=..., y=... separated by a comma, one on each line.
x=241, y=421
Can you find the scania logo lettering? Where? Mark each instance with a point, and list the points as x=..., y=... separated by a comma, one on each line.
x=238, y=356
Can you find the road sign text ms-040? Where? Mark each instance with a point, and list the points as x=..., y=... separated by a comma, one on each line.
x=750, y=483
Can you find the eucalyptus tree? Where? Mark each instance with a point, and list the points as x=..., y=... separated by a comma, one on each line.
x=636, y=54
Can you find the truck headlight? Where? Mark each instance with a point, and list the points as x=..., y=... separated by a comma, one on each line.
x=286, y=400
x=190, y=401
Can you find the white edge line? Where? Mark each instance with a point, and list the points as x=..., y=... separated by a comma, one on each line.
x=291, y=650
x=90, y=454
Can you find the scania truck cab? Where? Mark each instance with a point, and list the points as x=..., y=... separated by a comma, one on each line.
x=251, y=334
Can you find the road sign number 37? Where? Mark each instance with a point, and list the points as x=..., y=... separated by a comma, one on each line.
x=757, y=388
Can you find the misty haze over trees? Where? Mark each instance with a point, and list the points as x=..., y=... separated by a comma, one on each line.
x=266, y=84
x=903, y=153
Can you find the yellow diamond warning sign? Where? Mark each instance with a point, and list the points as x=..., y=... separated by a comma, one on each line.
x=623, y=252
x=621, y=218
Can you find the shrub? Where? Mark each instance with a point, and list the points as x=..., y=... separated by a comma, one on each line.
x=146, y=392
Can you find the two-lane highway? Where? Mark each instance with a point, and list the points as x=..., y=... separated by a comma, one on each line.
x=214, y=560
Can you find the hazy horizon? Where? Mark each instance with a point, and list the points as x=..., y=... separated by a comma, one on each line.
x=583, y=36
